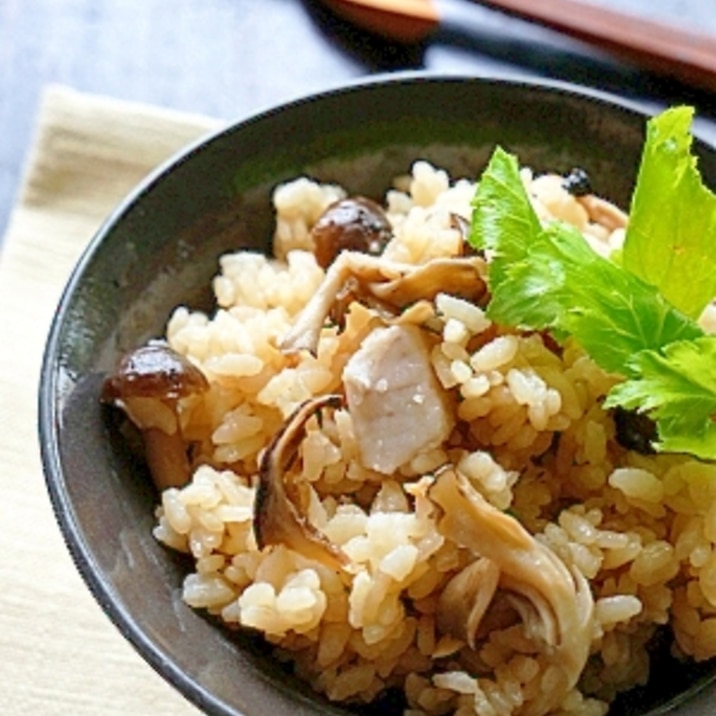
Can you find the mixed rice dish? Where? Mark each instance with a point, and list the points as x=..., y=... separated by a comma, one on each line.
x=400, y=492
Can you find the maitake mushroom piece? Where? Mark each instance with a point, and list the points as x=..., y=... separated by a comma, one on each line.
x=276, y=518
x=394, y=285
x=466, y=598
x=555, y=604
x=148, y=385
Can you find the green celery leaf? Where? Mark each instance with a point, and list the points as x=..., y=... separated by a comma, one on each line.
x=671, y=236
x=550, y=278
x=676, y=387
x=562, y=284
x=503, y=220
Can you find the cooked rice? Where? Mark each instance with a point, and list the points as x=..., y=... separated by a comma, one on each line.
x=533, y=440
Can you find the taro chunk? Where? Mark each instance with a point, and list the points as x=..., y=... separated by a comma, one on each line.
x=398, y=407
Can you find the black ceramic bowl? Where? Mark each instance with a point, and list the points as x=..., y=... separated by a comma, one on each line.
x=160, y=248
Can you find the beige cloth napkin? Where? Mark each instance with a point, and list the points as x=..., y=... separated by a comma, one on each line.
x=59, y=653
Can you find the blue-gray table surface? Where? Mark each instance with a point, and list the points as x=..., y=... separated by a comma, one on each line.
x=231, y=58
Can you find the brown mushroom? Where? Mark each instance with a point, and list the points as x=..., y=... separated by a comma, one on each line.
x=148, y=385
x=555, y=603
x=466, y=598
x=395, y=285
x=354, y=224
x=459, y=276
x=277, y=520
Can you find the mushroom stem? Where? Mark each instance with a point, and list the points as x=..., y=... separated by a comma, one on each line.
x=466, y=598
x=305, y=332
x=148, y=385
x=166, y=457
x=276, y=519
x=395, y=285
x=560, y=607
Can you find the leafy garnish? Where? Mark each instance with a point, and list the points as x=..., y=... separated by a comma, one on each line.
x=677, y=387
x=504, y=215
x=671, y=236
x=548, y=277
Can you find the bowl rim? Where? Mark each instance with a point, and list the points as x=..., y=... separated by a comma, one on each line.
x=49, y=396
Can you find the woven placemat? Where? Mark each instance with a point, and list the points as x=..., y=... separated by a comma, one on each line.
x=59, y=653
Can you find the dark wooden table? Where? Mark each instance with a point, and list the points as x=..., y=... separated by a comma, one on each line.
x=230, y=58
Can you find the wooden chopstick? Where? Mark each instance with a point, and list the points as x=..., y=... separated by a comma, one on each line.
x=678, y=53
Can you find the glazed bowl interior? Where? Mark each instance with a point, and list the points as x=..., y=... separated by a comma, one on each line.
x=160, y=249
